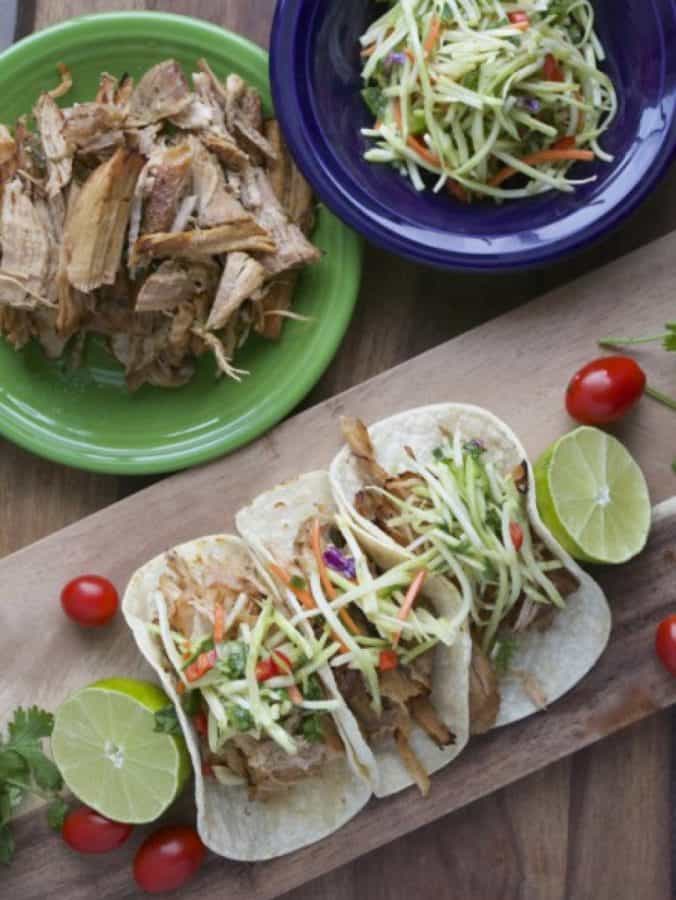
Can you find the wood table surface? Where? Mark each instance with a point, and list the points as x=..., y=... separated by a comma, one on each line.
x=596, y=825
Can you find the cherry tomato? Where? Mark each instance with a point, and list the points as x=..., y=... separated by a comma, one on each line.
x=87, y=831
x=388, y=660
x=90, y=600
x=516, y=534
x=551, y=69
x=665, y=643
x=168, y=859
x=605, y=390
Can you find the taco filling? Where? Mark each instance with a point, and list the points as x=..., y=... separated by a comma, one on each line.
x=382, y=633
x=249, y=678
x=460, y=516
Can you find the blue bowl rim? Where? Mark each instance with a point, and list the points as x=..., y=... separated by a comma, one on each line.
x=288, y=26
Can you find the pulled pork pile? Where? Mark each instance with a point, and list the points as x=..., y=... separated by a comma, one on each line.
x=169, y=219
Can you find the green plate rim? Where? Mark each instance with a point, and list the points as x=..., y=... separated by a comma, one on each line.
x=53, y=447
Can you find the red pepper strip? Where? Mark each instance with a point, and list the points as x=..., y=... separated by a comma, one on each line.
x=204, y=662
x=516, y=534
x=388, y=660
x=409, y=600
x=207, y=770
x=199, y=720
x=519, y=19
x=551, y=69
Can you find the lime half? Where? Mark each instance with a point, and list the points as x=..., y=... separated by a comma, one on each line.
x=593, y=497
x=109, y=755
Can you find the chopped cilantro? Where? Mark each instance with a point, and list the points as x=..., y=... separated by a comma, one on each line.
x=166, y=721
x=232, y=660
x=25, y=769
x=312, y=690
x=240, y=718
x=312, y=728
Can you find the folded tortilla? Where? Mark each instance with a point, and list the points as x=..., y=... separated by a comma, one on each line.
x=270, y=526
x=229, y=822
x=558, y=657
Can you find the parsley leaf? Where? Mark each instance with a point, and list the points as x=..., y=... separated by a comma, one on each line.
x=29, y=726
x=25, y=769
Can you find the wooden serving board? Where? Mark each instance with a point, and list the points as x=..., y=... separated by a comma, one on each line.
x=517, y=366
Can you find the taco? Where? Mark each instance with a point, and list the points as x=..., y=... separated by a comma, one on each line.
x=279, y=761
x=396, y=641
x=450, y=486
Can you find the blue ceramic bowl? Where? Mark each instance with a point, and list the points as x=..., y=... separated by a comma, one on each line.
x=316, y=85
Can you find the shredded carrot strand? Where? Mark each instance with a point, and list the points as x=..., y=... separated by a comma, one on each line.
x=540, y=157
x=327, y=584
x=219, y=622
x=458, y=191
x=304, y=596
x=295, y=695
x=422, y=151
x=432, y=34
x=368, y=51
x=409, y=600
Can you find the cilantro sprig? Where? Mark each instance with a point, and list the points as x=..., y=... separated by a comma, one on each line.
x=25, y=769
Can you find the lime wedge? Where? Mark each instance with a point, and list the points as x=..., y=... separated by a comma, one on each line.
x=109, y=755
x=593, y=497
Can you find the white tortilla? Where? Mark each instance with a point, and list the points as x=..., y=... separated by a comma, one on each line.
x=228, y=822
x=558, y=657
x=270, y=525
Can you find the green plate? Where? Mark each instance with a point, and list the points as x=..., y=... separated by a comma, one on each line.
x=86, y=418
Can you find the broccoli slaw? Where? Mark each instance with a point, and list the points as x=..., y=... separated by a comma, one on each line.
x=474, y=92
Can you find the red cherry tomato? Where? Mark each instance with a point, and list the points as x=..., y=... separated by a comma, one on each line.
x=90, y=600
x=516, y=534
x=168, y=859
x=551, y=69
x=87, y=831
x=605, y=390
x=665, y=643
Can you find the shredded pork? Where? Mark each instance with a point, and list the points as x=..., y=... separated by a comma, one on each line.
x=165, y=215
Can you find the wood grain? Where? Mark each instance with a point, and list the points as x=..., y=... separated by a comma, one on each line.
x=532, y=835
x=626, y=685
x=470, y=367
